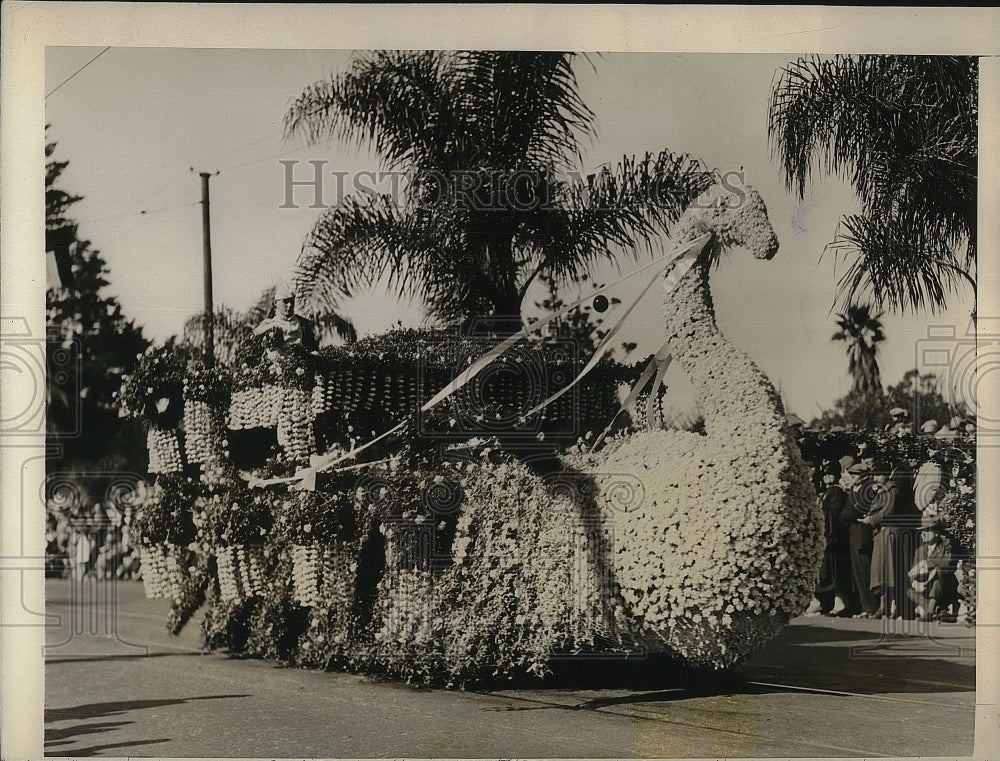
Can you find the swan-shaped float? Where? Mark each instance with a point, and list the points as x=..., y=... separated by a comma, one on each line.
x=722, y=549
x=725, y=544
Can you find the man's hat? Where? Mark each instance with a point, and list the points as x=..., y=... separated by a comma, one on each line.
x=858, y=468
x=283, y=292
x=898, y=412
x=929, y=426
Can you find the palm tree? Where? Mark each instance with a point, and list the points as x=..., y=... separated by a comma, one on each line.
x=488, y=142
x=903, y=129
x=862, y=332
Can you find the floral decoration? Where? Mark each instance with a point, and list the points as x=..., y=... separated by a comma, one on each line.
x=166, y=516
x=154, y=391
x=721, y=544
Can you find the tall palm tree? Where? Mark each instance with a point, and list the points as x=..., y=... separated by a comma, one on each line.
x=862, y=331
x=488, y=142
x=903, y=129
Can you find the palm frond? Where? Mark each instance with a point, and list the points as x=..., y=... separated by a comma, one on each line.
x=894, y=268
x=624, y=208
x=904, y=130
x=370, y=239
x=397, y=102
x=524, y=107
x=352, y=245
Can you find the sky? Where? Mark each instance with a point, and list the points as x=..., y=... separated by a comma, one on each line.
x=138, y=124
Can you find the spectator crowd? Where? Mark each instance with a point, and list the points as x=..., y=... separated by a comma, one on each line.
x=82, y=541
x=888, y=552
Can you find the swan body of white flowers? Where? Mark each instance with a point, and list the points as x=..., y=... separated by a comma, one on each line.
x=725, y=545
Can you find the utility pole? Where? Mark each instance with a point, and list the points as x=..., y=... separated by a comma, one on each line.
x=207, y=269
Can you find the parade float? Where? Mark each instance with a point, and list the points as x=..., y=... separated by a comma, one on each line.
x=452, y=507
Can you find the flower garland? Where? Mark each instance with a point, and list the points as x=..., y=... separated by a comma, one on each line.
x=164, y=448
x=206, y=396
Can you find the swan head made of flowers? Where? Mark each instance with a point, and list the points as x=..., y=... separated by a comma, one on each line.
x=735, y=216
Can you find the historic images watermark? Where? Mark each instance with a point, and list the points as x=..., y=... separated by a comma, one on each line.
x=312, y=184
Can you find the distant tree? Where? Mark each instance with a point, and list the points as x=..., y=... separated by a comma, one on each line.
x=904, y=130
x=920, y=394
x=90, y=345
x=924, y=397
x=862, y=332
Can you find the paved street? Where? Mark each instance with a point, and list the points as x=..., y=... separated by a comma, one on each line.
x=118, y=685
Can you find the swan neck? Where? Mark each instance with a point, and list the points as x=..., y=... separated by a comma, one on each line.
x=733, y=394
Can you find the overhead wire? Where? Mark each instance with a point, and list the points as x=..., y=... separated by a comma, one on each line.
x=78, y=71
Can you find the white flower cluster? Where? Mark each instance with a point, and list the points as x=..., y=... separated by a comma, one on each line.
x=257, y=407
x=726, y=544
x=164, y=450
x=161, y=573
x=306, y=574
x=240, y=572
x=315, y=567
x=229, y=588
x=204, y=436
x=718, y=540
x=295, y=428
x=323, y=395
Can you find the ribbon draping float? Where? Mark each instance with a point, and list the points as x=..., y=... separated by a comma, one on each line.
x=684, y=255
x=684, y=262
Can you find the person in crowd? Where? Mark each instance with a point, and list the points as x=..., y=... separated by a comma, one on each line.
x=83, y=548
x=834, y=587
x=969, y=430
x=900, y=424
x=928, y=486
x=108, y=555
x=933, y=584
x=895, y=520
x=860, y=536
x=130, y=554
x=950, y=430
x=55, y=550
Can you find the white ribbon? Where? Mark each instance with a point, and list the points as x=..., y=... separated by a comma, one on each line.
x=658, y=364
x=684, y=262
x=684, y=255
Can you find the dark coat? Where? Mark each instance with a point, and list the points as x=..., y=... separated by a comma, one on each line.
x=835, y=573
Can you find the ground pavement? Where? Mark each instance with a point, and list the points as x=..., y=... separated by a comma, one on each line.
x=118, y=685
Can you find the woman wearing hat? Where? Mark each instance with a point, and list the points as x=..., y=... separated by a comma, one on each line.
x=834, y=588
x=860, y=535
x=895, y=519
x=932, y=577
